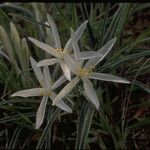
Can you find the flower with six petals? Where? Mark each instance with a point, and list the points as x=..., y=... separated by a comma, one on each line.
x=84, y=72
x=46, y=91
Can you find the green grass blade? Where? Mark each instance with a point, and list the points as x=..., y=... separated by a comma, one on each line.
x=84, y=124
x=47, y=128
x=142, y=86
x=7, y=43
x=104, y=23
x=140, y=124
x=90, y=32
x=15, y=117
x=14, y=138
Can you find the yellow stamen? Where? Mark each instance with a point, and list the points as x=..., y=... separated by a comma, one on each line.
x=59, y=50
x=84, y=72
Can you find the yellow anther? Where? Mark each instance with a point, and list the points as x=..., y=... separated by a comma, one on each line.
x=84, y=72
x=59, y=50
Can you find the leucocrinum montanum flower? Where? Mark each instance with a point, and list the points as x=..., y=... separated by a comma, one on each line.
x=44, y=79
x=84, y=72
x=58, y=52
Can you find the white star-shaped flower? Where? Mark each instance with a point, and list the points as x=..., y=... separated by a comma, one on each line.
x=46, y=91
x=84, y=72
x=58, y=52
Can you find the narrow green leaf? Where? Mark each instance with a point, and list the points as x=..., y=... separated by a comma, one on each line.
x=48, y=128
x=84, y=124
x=142, y=86
x=86, y=17
x=104, y=23
x=14, y=138
x=145, y=104
x=15, y=117
x=16, y=43
x=6, y=42
x=140, y=124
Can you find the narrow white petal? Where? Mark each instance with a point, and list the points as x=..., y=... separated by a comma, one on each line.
x=101, y=53
x=47, y=62
x=64, y=107
x=88, y=55
x=78, y=34
x=28, y=92
x=65, y=70
x=76, y=48
x=43, y=46
x=54, y=31
x=72, y=64
x=66, y=90
x=59, y=82
x=61, y=104
x=47, y=77
x=37, y=71
x=90, y=92
x=41, y=112
x=108, y=77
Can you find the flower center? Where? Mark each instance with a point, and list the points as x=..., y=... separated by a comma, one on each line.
x=45, y=92
x=84, y=72
x=59, y=50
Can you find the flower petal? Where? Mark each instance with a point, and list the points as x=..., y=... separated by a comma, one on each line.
x=47, y=78
x=43, y=46
x=64, y=107
x=76, y=49
x=47, y=62
x=72, y=64
x=54, y=31
x=41, y=112
x=66, y=90
x=78, y=33
x=108, y=77
x=61, y=104
x=28, y=92
x=101, y=53
x=65, y=70
x=90, y=92
x=88, y=55
x=59, y=82
x=37, y=71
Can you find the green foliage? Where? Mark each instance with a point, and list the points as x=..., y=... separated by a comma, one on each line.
x=84, y=122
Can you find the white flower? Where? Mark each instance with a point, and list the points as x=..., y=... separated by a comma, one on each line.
x=58, y=52
x=46, y=91
x=84, y=72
